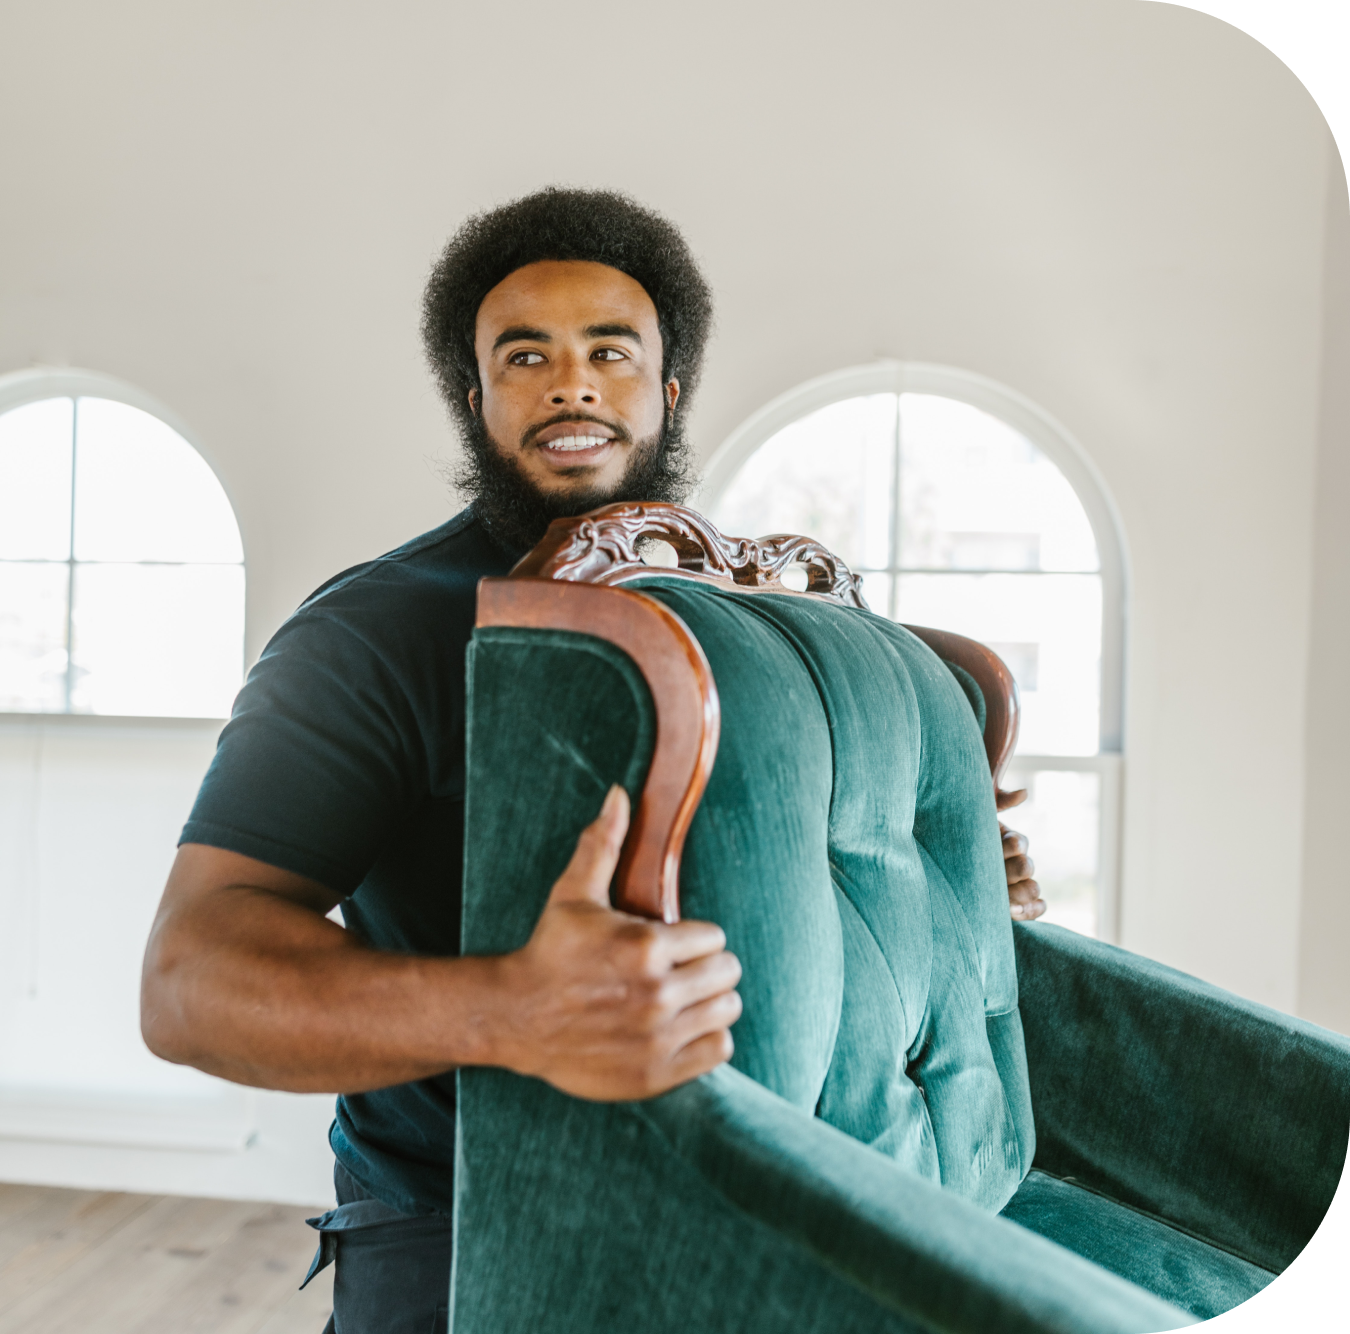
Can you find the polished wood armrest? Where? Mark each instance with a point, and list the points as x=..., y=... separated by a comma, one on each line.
x=570, y=581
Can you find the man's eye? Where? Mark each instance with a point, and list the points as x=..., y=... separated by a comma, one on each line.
x=607, y=354
x=526, y=358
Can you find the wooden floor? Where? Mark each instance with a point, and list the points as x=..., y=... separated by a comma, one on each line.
x=97, y=1262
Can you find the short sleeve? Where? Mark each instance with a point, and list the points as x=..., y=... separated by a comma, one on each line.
x=321, y=759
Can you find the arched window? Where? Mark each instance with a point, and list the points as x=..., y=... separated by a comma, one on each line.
x=965, y=507
x=121, y=568
x=121, y=593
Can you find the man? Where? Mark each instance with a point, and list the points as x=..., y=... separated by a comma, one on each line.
x=567, y=332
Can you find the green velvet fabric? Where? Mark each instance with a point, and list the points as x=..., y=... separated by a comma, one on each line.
x=847, y=1173
x=848, y=845
x=554, y=720
x=972, y=690
x=1219, y=1116
x=723, y=1208
x=579, y=1218
x=1180, y=1268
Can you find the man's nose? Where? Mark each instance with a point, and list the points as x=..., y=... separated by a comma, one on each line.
x=574, y=385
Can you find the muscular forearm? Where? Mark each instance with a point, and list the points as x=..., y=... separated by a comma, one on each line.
x=245, y=978
x=249, y=986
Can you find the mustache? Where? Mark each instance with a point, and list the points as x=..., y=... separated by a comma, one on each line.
x=622, y=435
x=517, y=515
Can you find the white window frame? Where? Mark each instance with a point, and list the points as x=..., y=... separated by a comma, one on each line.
x=1059, y=445
x=36, y=383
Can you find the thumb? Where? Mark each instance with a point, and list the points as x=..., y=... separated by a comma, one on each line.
x=587, y=877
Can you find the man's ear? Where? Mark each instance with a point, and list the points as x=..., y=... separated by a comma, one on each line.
x=474, y=396
x=672, y=394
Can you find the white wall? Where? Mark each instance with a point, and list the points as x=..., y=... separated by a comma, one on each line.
x=90, y=810
x=1117, y=209
x=1324, y=970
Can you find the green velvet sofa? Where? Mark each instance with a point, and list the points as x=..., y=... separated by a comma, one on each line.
x=934, y=1120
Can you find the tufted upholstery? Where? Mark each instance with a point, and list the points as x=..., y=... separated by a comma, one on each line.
x=848, y=845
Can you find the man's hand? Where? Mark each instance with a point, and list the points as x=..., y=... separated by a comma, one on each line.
x=1024, y=894
x=610, y=1006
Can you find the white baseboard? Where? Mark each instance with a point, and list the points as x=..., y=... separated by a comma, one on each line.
x=267, y=1146
x=222, y=1124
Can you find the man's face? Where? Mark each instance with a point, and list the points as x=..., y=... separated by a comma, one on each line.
x=569, y=357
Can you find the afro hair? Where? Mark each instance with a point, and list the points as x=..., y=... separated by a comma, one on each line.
x=601, y=226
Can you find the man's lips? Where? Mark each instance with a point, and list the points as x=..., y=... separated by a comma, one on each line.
x=576, y=444
x=574, y=437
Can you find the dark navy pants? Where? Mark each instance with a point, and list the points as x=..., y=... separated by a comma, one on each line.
x=393, y=1270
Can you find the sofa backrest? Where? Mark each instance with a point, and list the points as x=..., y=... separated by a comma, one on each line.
x=847, y=843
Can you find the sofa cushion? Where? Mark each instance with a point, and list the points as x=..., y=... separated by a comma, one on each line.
x=1226, y=1117
x=1169, y=1263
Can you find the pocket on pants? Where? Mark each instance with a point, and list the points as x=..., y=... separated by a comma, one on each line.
x=392, y=1269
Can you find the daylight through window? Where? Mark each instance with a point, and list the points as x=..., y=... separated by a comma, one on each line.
x=121, y=568
x=956, y=519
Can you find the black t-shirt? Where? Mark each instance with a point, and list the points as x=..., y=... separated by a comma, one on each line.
x=343, y=761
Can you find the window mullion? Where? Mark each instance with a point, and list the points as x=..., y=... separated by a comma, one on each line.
x=893, y=593
x=70, y=560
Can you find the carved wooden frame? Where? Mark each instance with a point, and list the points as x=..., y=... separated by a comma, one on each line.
x=688, y=717
x=570, y=582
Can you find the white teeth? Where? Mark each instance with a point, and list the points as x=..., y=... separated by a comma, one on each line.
x=570, y=442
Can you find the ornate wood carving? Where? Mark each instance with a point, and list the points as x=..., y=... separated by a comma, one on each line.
x=602, y=548
x=568, y=583
x=688, y=717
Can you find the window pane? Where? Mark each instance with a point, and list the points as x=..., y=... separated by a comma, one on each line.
x=33, y=637
x=35, y=481
x=977, y=495
x=157, y=640
x=1047, y=628
x=876, y=590
x=1060, y=820
x=829, y=476
x=143, y=493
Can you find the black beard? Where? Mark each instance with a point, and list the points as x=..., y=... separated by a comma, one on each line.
x=517, y=514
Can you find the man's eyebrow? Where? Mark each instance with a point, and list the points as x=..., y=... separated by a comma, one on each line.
x=613, y=331
x=521, y=333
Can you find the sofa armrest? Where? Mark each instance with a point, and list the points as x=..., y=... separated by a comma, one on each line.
x=915, y=1248
x=1223, y=1117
